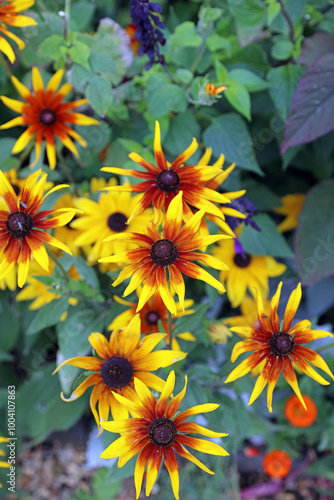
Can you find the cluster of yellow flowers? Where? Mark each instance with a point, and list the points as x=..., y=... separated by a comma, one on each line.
x=154, y=230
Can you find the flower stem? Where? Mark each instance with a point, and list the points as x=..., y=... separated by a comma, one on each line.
x=288, y=20
x=67, y=18
x=61, y=268
x=325, y=347
x=67, y=172
x=170, y=329
x=5, y=66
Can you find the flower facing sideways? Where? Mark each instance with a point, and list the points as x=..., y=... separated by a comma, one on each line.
x=156, y=433
x=279, y=347
x=22, y=226
x=172, y=251
x=121, y=359
x=46, y=116
x=9, y=17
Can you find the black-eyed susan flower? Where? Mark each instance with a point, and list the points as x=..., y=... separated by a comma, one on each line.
x=107, y=217
x=165, y=180
x=9, y=16
x=277, y=464
x=156, y=433
x=296, y=414
x=279, y=346
x=248, y=316
x=153, y=311
x=22, y=226
x=245, y=271
x=291, y=207
x=46, y=116
x=121, y=359
x=173, y=251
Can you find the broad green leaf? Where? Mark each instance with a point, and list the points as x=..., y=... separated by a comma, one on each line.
x=249, y=16
x=249, y=80
x=79, y=54
x=48, y=315
x=268, y=241
x=282, y=50
x=49, y=49
x=229, y=135
x=283, y=82
x=314, y=236
x=222, y=74
x=81, y=15
x=185, y=35
x=274, y=9
x=167, y=99
x=238, y=97
x=183, y=127
x=192, y=322
x=99, y=94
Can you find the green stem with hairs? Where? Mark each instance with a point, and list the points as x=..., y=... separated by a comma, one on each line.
x=5, y=66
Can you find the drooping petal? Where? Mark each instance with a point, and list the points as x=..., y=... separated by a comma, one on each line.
x=263, y=378
x=202, y=445
x=292, y=307
x=86, y=362
x=171, y=464
x=291, y=378
x=153, y=467
x=247, y=365
x=141, y=464
x=190, y=428
x=273, y=378
x=183, y=452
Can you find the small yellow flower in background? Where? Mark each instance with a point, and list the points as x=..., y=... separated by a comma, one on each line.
x=153, y=311
x=246, y=271
x=22, y=226
x=39, y=292
x=107, y=217
x=121, y=359
x=279, y=347
x=249, y=315
x=9, y=17
x=219, y=333
x=211, y=89
x=46, y=116
x=172, y=251
x=156, y=433
x=163, y=181
x=291, y=207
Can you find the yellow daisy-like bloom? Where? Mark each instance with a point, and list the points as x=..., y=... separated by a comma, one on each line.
x=165, y=180
x=9, y=17
x=219, y=333
x=39, y=292
x=246, y=271
x=172, y=251
x=153, y=311
x=121, y=359
x=279, y=347
x=22, y=226
x=291, y=207
x=249, y=314
x=104, y=218
x=46, y=116
x=3, y=464
x=157, y=433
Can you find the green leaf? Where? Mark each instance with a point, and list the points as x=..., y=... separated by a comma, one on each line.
x=283, y=82
x=192, y=322
x=314, y=236
x=268, y=241
x=249, y=80
x=238, y=96
x=274, y=8
x=6, y=146
x=99, y=94
x=249, y=16
x=80, y=77
x=185, y=35
x=229, y=135
x=79, y=54
x=282, y=50
x=9, y=326
x=222, y=74
x=81, y=15
x=183, y=128
x=166, y=99
x=40, y=410
x=49, y=49
x=48, y=315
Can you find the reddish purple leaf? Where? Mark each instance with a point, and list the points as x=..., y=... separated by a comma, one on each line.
x=312, y=104
x=314, y=47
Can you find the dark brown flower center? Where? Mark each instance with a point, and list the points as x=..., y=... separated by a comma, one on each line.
x=281, y=344
x=152, y=317
x=47, y=117
x=116, y=372
x=19, y=224
x=117, y=222
x=168, y=180
x=163, y=252
x=16, y=189
x=162, y=432
x=242, y=259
